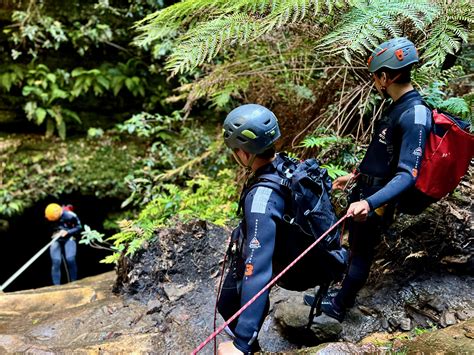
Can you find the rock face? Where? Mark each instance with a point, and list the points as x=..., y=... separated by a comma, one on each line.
x=457, y=339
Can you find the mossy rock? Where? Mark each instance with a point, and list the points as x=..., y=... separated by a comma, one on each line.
x=35, y=167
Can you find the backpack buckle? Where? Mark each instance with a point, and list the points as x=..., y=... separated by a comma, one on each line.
x=288, y=173
x=285, y=182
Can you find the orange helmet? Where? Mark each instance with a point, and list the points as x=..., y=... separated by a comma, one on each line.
x=53, y=212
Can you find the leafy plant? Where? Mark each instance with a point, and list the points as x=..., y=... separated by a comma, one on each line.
x=9, y=204
x=203, y=197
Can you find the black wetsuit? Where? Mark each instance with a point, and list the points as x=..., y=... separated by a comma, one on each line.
x=389, y=168
x=251, y=267
x=65, y=246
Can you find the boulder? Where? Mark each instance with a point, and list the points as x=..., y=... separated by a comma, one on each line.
x=293, y=319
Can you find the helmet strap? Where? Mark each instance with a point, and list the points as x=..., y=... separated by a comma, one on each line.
x=389, y=82
x=237, y=158
x=247, y=166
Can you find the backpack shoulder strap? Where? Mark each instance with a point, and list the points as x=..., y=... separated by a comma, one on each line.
x=281, y=181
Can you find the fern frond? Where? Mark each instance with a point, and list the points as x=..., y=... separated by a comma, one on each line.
x=449, y=30
x=369, y=23
x=214, y=23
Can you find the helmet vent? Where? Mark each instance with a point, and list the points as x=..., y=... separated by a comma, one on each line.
x=267, y=122
x=241, y=140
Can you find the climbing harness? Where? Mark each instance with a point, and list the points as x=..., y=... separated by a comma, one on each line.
x=273, y=281
x=28, y=263
x=343, y=199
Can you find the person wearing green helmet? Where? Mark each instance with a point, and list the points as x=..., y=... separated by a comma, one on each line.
x=286, y=205
x=251, y=131
x=389, y=168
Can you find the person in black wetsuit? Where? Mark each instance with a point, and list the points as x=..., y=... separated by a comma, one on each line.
x=67, y=225
x=250, y=131
x=389, y=168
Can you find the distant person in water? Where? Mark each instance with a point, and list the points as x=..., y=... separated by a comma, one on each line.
x=67, y=226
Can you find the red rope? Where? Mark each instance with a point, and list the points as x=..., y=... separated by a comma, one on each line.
x=219, y=288
x=275, y=279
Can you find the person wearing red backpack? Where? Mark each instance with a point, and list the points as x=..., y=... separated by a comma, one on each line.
x=389, y=168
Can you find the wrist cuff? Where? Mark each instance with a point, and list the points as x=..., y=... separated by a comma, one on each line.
x=242, y=346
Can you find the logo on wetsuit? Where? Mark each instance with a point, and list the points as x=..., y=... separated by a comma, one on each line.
x=248, y=269
x=254, y=243
x=418, y=152
x=382, y=136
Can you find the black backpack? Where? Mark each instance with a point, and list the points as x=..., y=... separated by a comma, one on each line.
x=308, y=215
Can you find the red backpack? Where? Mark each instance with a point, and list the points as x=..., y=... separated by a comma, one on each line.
x=448, y=153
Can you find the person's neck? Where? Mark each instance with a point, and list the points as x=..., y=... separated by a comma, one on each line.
x=259, y=162
x=395, y=91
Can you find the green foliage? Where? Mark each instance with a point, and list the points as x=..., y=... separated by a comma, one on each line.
x=449, y=29
x=34, y=169
x=295, y=52
x=94, y=133
x=436, y=97
x=211, y=198
x=9, y=205
x=437, y=92
x=37, y=41
x=89, y=236
x=359, y=26
x=368, y=23
x=338, y=154
x=222, y=23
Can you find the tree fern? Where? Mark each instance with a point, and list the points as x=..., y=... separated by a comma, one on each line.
x=369, y=23
x=219, y=22
x=448, y=31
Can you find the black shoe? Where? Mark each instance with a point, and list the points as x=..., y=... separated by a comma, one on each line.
x=309, y=299
x=329, y=308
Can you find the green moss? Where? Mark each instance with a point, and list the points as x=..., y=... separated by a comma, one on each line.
x=34, y=167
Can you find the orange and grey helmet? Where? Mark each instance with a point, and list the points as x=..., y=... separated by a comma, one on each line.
x=396, y=53
x=53, y=212
x=252, y=128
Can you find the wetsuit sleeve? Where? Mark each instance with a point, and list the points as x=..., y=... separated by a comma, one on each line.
x=262, y=206
x=414, y=125
x=77, y=225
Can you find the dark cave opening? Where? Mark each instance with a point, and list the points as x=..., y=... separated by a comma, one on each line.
x=29, y=232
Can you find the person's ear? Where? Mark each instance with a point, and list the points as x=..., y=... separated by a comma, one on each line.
x=383, y=78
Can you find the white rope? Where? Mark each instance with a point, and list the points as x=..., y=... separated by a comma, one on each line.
x=28, y=263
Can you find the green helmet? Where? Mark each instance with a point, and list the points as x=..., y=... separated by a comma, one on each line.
x=394, y=54
x=252, y=128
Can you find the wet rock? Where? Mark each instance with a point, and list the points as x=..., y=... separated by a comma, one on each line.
x=153, y=306
x=50, y=299
x=367, y=310
x=438, y=304
x=175, y=292
x=453, y=340
x=405, y=324
x=394, y=323
x=293, y=318
x=341, y=348
x=325, y=328
x=447, y=318
x=384, y=323
x=465, y=314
